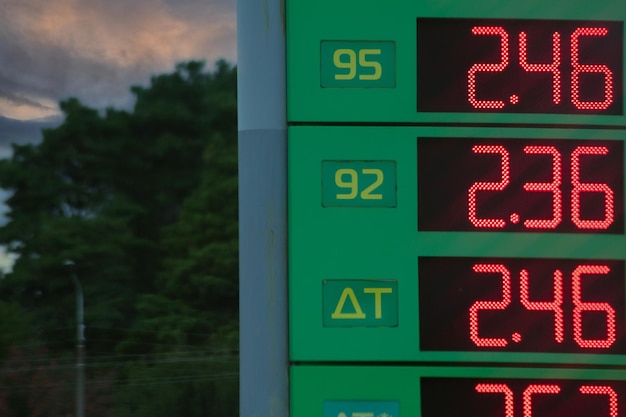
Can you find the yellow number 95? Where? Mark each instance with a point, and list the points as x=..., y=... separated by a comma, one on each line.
x=345, y=59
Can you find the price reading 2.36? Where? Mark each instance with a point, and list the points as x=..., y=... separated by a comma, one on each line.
x=570, y=186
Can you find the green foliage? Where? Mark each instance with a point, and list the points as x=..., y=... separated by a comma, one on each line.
x=16, y=328
x=32, y=386
x=35, y=383
x=144, y=205
x=202, y=261
x=190, y=384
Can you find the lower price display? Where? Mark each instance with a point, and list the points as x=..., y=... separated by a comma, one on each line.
x=522, y=397
x=407, y=391
x=521, y=305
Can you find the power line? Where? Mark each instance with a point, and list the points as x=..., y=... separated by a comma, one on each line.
x=132, y=382
x=118, y=364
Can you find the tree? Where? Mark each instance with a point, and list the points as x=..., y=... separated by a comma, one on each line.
x=144, y=205
x=16, y=329
x=195, y=307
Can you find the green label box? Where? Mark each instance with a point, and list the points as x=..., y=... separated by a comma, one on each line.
x=369, y=303
x=358, y=183
x=361, y=408
x=357, y=64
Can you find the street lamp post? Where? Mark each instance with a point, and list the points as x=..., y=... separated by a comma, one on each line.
x=80, y=343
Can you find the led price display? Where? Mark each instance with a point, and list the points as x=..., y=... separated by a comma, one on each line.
x=521, y=305
x=508, y=397
x=518, y=185
x=519, y=66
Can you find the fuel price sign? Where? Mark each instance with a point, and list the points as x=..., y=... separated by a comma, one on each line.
x=456, y=205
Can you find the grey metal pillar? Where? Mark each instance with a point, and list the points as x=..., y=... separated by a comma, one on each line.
x=264, y=362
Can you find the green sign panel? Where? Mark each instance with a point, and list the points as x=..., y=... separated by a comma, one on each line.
x=456, y=196
x=499, y=245
x=434, y=61
x=394, y=391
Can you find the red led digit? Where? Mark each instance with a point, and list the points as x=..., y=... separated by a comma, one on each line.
x=536, y=389
x=578, y=394
x=603, y=390
x=554, y=187
x=589, y=68
x=581, y=306
x=490, y=305
x=499, y=389
x=488, y=186
x=504, y=61
x=590, y=187
x=553, y=67
x=555, y=305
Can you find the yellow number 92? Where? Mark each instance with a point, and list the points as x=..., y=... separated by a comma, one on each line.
x=350, y=64
x=351, y=183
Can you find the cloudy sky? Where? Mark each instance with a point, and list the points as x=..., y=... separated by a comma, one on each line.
x=96, y=49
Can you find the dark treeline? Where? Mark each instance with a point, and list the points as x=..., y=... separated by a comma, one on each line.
x=141, y=207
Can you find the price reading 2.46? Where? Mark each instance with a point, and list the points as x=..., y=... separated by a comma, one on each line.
x=553, y=68
x=520, y=66
x=522, y=304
